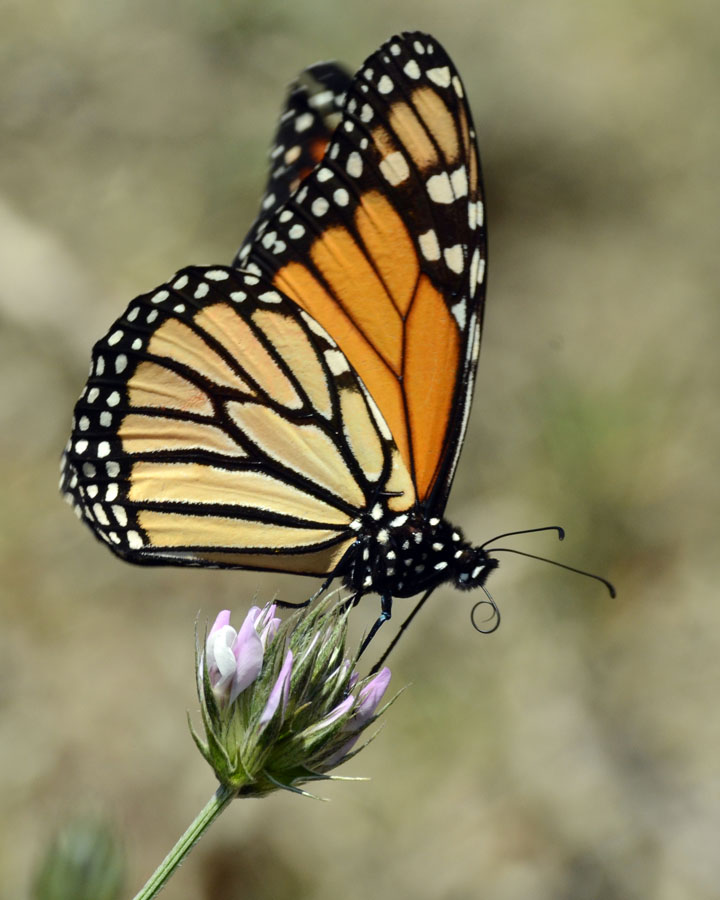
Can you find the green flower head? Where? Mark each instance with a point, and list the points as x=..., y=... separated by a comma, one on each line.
x=281, y=702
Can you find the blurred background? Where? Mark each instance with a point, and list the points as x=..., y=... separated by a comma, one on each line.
x=574, y=753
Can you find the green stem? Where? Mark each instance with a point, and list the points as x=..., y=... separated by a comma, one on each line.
x=212, y=809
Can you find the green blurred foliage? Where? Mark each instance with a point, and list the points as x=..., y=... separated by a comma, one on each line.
x=83, y=862
x=573, y=754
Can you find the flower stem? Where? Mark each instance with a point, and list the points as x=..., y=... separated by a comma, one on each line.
x=212, y=809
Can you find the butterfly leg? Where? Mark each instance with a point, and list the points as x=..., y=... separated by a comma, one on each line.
x=285, y=604
x=385, y=614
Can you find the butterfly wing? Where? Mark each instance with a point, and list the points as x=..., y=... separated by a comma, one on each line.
x=384, y=245
x=222, y=426
x=310, y=116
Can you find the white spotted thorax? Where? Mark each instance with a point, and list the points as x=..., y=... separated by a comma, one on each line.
x=402, y=555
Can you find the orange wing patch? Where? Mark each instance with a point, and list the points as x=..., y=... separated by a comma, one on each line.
x=300, y=285
x=350, y=277
x=389, y=246
x=431, y=362
x=411, y=133
x=438, y=121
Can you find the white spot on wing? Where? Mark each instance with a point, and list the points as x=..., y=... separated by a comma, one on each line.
x=459, y=182
x=440, y=76
x=439, y=188
x=336, y=362
x=429, y=246
x=319, y=206
x=474, y=268
x=120, y=515
x=385, y=84
x=100, y=514
x=354, y=164
x=412, y=69
x=394, y=168
x=472, y=216
x=454, y=258
x=460, y=312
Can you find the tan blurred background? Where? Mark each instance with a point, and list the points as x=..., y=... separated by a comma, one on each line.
x=573, y=754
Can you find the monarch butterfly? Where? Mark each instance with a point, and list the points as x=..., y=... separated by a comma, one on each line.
x=303, y=410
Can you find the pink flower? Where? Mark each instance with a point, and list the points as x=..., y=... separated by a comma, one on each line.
x=368, y=699
x=280, y=702
x=234, y=658
x=280, y=691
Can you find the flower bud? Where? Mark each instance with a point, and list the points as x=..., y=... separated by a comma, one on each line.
x=281, y=703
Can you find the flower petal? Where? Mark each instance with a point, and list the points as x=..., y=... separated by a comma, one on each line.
x=340, y=710
x=280, y=691
x=247, y=655
x=222, y=619
x=221, y=661
x=368, y=699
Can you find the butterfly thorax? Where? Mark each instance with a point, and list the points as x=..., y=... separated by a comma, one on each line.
x=402, y=555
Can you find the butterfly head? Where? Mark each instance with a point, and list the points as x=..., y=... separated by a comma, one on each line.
x=472, y=568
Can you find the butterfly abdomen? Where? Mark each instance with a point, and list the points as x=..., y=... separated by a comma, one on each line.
x=402, y=555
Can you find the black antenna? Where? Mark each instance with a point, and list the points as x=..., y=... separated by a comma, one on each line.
x=552, y=562
x=558, y=528
x=495, y=618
